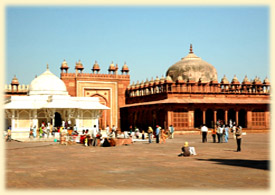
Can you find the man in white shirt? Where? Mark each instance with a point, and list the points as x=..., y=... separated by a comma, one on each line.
x=204, y=131
x=114, y=130
x=94, y=133
x=107, y=130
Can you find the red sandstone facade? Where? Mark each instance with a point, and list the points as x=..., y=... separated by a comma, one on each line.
x=187, y=104
x=110, y=88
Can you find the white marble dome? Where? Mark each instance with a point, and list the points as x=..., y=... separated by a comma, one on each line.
x=47, y=84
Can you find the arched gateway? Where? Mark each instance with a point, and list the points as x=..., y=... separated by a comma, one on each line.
x=48, y=101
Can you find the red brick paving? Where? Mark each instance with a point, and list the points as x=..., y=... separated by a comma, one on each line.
x=47, y=165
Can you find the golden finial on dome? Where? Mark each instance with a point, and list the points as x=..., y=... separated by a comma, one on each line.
x=47, y=66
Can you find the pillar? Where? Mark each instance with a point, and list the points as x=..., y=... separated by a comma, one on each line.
x=215, y=117
x=35, y=120
x=13, y=119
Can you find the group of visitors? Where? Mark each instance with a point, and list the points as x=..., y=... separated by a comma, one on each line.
x=160, y=134
x=99, y=137
x=222, y=133
x=44, y=129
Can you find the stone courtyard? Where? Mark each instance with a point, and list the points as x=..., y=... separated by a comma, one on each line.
x=140, y=166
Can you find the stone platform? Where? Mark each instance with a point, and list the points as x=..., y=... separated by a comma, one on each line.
x=140, y=166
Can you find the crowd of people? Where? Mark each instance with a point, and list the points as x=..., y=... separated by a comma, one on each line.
x=221, y=132
x=105, y=137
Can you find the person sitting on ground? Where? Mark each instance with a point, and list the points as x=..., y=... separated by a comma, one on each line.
x=185, y=150
x=112, y=142
x=82, y=137
x=106, y=143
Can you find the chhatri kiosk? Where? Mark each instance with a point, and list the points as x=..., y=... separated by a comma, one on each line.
x=48, y=101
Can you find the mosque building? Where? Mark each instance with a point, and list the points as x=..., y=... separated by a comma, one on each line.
x=187, y=97
x=190, y=96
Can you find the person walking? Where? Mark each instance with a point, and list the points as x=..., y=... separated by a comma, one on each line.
x=171, y=130
x=162, y=136
x=157, y=133
x=226, y=133
x=31, y=132
x=204, y=131
x=234, y=131
x=9, y=135
x=150, y=131
x=94, y=135
x=214, y=133
x=107, y=130
x=48, y=130
x=239, y=137
x=34, y=131
x=221, y=134
x=114, y=130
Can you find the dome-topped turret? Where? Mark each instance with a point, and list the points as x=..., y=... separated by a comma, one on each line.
x=14, y=81
x=192, y=68
x=112, y=67
x=96, y=67
x=224, y=80
x=235, y=80
x=125, y=68
x=64, y=65
x=47, y=84
x=79, y=65
x=266, y=81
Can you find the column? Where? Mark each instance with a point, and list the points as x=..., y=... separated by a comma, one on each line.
x=35, y=120
x=226, y=116
x=237, y=117
x=77, y=120
x=12, y=120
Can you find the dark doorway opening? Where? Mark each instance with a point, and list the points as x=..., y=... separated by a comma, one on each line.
x=209, y=118
x=231, y=115
x=57, y=119
x=198, y=120
x=220, y=115
x=242, y=118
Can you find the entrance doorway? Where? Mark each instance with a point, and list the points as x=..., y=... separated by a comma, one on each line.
x=220, y=116
x=57, y=119
x=242, y=118
x=231, y=115
x=198, y=120
x=209, y=118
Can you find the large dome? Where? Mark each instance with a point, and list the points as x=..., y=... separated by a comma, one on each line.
x=47, y=84
x=193, y=68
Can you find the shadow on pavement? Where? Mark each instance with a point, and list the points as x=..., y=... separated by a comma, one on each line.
x=256, y=164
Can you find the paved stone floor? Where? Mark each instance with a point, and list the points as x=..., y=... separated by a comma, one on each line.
x=140, y=166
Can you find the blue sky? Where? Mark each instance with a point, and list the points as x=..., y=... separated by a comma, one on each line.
x=235, y=40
